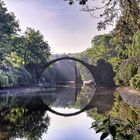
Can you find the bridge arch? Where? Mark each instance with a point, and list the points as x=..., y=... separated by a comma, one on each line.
x=74, y=59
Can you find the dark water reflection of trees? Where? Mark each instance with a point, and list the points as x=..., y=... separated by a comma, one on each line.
x=26, y=120
x=24, y=115
x=123, y=117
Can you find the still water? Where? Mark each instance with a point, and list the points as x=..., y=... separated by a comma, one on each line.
x=55, y=113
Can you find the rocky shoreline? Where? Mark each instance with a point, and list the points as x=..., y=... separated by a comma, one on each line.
x=130, y=96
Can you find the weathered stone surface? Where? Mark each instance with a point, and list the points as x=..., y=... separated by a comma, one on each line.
x=103, y=73
x=130, y=96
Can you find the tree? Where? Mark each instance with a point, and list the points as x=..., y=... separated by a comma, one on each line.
x=8, y=27
x=135, y=47
x=96, y=53
x=31, y=47
x=8, y=24
x=101, y=49
x=36, y=49
x=103, y=40
x=110, y=10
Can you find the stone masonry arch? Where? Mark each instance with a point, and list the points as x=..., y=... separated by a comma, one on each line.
x=91, y=68
x=102, y=73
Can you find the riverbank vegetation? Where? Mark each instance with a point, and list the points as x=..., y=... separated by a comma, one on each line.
x=124, y=58
x=18, y=49
x=121, y=47
x=120, y=123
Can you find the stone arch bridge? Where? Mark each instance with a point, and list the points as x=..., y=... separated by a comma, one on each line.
x=102, y=73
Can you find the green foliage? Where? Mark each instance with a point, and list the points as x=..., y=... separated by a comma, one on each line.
x=22, y=122
x=117, y=129
x=124, y=51
x=23, y=77
x=107, y=126
x=126, y=71
x=102, y=48
x=129, y=67
x=135, y=48
x=115, y=62
x=135, y=82
x=96, y=53
x=102, y=40
x=17, y=50
x=12, y=78
x=127, y=117
x=110, y=10
x=122, y=122
x=96, y=116
x=8, y=23
x=13, y=60
x=7, y=79
x=8, y=27
x=3, y=80
x=29, y=48
x=123, y=111
x=34, y=49
x=15, y=114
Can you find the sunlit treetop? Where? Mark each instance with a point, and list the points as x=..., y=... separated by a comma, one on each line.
x=110, y=10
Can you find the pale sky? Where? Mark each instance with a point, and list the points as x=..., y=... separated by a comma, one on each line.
x=66, y=28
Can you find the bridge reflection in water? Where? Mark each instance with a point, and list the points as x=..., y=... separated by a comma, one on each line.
x=24, y=111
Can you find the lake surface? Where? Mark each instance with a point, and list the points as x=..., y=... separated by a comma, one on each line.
x=57, y=113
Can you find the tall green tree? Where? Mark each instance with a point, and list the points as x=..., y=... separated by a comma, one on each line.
x=96, y=53
x=36, y=49
x=31, y=47
x=8, y=26
x=101, y=49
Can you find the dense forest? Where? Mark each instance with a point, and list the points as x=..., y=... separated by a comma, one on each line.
x=120, y=47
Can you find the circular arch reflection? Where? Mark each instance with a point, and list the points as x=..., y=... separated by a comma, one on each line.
x=89, y=69
x=85, y=108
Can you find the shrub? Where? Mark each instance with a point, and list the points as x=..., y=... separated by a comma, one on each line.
x=14, y=77
x=7, y=79
x=135, y=82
